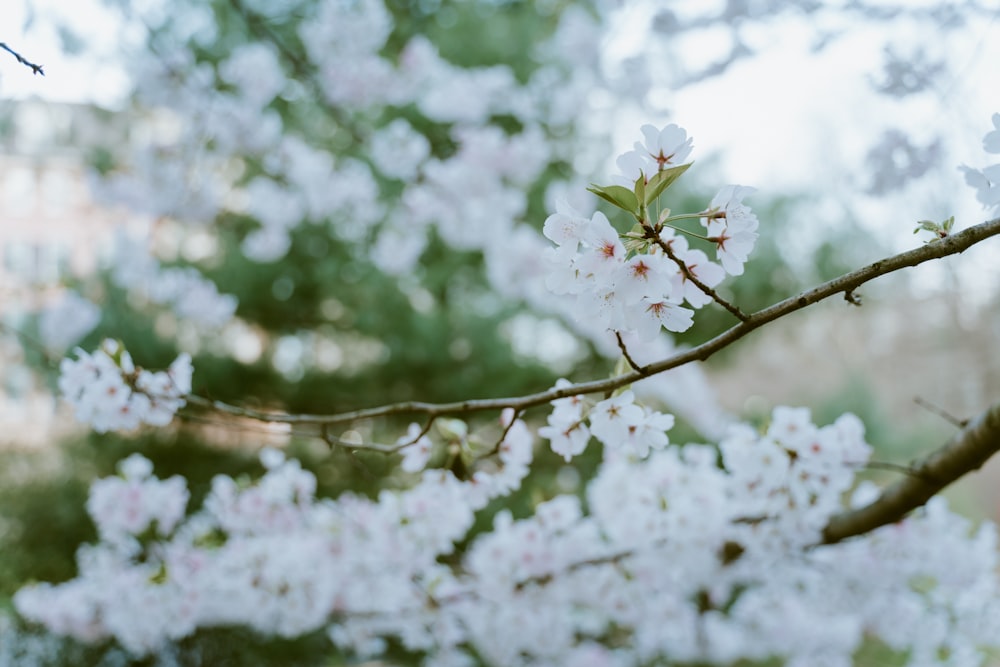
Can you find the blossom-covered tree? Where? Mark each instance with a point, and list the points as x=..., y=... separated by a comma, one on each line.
x=336, y=150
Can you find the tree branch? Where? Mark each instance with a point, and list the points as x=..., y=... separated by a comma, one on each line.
x=968, y=450
x=846, y=283
x=628, y=357
x=35, y=69
x=689, y=275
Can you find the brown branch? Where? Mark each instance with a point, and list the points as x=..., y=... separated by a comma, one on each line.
x=968, y=450
x=351, y=447
x=848, y=282
x=503, y=436
x=628, y=357
x=689, y=275
x=35, y=69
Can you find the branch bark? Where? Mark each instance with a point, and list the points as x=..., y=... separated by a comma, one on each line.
x=968, y=450
x=845, y=284
x=35, y=69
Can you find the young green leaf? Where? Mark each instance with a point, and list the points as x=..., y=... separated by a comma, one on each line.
x=663, y=180
x=620, y=196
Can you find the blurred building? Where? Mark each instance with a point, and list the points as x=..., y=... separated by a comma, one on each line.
x=50, y=230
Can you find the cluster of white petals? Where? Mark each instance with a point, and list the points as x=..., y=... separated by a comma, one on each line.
x=661, y=149
x=986, y=181
x=620, y=293
x=618, y=422
x=388, y=190
x=681, y=554
x=268, y=555
x=67, y=320
x=184, y=290
x=641, y=291
x=109, y=392
x=732, y=226
x=692, y=554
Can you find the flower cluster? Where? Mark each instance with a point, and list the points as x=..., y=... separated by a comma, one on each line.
x=986, y=181
x=66, y=321
x=268, y=555
x=636, y=282
x=693, y=554
x=618, y=422
x=109, y=392
x=184, y=290
x=663, y=148
x=732, y=227
x=622, y=294
x=127, y=506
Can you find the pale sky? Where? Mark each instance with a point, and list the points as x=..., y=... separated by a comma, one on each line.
x=96, y=78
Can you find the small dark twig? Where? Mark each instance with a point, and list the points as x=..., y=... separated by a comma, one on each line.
x=35, y=69
x=621, y=346
x=852, y=298
x=351, y=447
x=503, y=436
x=689, y=275
x=941, y=412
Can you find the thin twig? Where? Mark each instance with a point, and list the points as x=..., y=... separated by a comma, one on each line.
x=351, y=447
x=935, y=250
x=424, y=431
x=689, y=275
x=628, y=357
x=941, y=412
x=503, y=436
x=35, y=69
x=903, y=469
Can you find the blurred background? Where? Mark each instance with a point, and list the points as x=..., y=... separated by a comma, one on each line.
x=128, y=211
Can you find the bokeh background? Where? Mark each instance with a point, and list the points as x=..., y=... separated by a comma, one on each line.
x=850, y=119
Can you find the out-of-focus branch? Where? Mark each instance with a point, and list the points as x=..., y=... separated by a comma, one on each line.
x=846, y=283
x=968, y=450
x=35, y=69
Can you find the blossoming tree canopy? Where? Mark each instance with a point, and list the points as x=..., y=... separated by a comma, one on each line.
x=337, y=151
x=693, y=552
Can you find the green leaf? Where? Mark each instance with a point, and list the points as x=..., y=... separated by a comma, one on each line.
x=663, y=180
x=640, y=188
x=620, y=196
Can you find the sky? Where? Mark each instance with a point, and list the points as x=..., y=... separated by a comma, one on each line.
x=94, y=78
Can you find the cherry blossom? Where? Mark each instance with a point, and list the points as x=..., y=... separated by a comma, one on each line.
x=111, y=394
x=669, y=553
x=732, y=227
x=666, y=147
x=417, y=449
